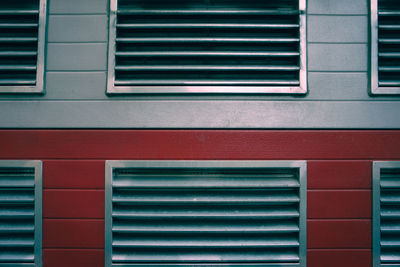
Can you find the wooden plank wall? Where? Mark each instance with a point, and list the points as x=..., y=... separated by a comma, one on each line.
x=339, y=181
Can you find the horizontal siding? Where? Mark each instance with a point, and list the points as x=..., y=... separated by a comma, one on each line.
x=71, y=174
x=339, y=234
x=199, y=144
x=73, y=257
x=59, y=203
x=78, y=6
x=337, y=29
x=339, y=224
x=73, y=233
x=77, y=28
x=76, y=57
x=337, y=7
x=337, y=57
x=339, y=257
x=339, y=174
x=201, y=114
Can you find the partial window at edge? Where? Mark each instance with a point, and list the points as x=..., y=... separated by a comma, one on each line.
x=21, y=212
x=386, y=213
x=22, y=44
x=385, y=47
x=193, y=46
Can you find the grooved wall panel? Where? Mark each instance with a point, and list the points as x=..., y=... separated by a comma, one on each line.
x=339, y=257
x=76, y=57
x=73, y=257
x=73, y=203
x=332, y=7
x=336, y=234
x=334, y=204
x=199, y=144
x=337, y=29
x=70, y=233
x=77, y=28
x=77, y=174
x=337, y=57
x=78, y=6
x=339, y=174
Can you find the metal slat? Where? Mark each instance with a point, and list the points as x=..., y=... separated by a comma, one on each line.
x=191, y=181
x=206, y=82
x=275, y=214
x=280, y=256
x=127, y=11
x=206, y=40
x=18, y=39
x=206, y=25
x=204, y=228
x=17, y=67
x=206, y=244
x=204, y=68
x=205, y=53
x=18, y=25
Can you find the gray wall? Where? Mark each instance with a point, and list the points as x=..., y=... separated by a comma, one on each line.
x=75, y=81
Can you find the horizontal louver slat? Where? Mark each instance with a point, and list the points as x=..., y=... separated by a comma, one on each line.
x=388, y=43
x=19, y=43
x=172, y=215
x=390, y=215
x=17, y=215
x=199, y=43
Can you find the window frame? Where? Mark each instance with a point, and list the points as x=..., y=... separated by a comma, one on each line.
x=38, y=198
x=40, y=63
x=374, y=78
x=212, y=89
x=376, y=208
x=300, y=164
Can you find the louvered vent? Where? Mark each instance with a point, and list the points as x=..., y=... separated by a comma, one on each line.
x=193, y=213
x=17, y=214
x=21, y=51
x=207, y=46
x=389, y=213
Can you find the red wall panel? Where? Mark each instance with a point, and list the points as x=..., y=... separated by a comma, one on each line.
x=73, y=257
x=67, y=233
x=339, y=233
x=73, y=174
x=337, y=204
x=58, y=203
x=339, y=258
x=339, y=174
x=199, y=144
x=339, y=181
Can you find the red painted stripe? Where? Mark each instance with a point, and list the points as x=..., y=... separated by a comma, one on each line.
x=73, y=257
x=339, y=258
x=199, y=144
x=59, y=203
x=73, y=233
x=331, y=204
x=339, y=234
x=73, y=174
x=339, y=174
